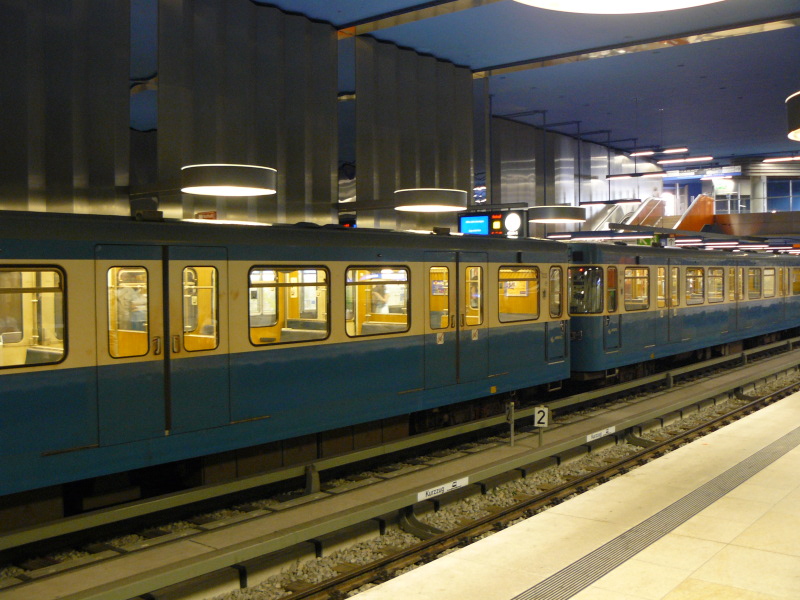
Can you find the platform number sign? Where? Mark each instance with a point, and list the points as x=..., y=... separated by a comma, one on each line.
x=541, y=416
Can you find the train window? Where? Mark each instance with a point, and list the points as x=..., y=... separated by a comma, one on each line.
x=769, y=283
x=716, y=284
x=518, y=290
x=731, y=284
x=781, y=282
x=439, y=297
x=473, y=296
x=200, y=308
x=674, y=288
x=288, y=304
x=31, y=316
x=795, y=281
x=585, y=290
x=128, y=311
x=753, y=283
x=661, y=288
x=556, y=277
x=611, y=289
x=637, y=288
x=695, y=292
x=376, y=300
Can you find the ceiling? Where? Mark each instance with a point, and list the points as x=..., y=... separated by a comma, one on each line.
x=713, y=78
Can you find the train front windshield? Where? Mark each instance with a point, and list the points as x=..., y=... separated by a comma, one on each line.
x=585, y=290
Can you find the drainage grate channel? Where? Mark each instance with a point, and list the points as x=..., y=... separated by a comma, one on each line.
x=584, y=572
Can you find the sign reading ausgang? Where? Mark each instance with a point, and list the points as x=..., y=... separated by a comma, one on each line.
x=442, y=489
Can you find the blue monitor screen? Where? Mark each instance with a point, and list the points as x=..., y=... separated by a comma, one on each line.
x=474, y=224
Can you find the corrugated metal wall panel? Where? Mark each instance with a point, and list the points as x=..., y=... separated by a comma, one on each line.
x=243, y=83
x=65, y=114
x=413, y=129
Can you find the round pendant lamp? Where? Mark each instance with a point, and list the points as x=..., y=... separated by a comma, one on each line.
x=615, y=7
x=558, y=213
x=793, y=114
x=430, y=200
x=228, y=180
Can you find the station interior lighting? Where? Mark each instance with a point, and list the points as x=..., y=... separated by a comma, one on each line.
x=615, y=7
x=228, y=180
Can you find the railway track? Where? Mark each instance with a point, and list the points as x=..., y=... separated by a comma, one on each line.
x=128, y=584
x=428, y=550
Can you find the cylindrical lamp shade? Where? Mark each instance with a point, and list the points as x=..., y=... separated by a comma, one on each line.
x=228, y=180
x=561, y=213
x=793, y=114
x=430, y=200
x=615, y=7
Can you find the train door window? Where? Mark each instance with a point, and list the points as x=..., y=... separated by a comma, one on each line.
x=753, y=283
x=795, y=281
x=518, y=294
x=694, y=285
x=473, y=296
x=769, y=283
x=200, y=308
x=376, y=300
x=637, y=288
x=611, y=289
x=675, y=287
x=740, y=285
x=585, y=290
x=661, y=288
x=556, y=277
x=31, y=316
x=716, y=284
x=439, y=297
x=128, y=311
x=781, y=282
x=288, y=304
x=731, y=284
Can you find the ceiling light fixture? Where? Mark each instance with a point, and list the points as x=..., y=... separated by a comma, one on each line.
x=781, y=159
x=665, y=151
x=675, y=161
x=430, y=200
x=793, y=114
x=615, y=7
x=557, y=213
x=228, y=180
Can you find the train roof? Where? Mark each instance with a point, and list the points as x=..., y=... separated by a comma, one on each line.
x=588, y=252
x=110, y=229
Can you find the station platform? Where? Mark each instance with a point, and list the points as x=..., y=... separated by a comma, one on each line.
x=716, y=519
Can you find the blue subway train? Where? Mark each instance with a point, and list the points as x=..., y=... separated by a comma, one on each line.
x=213, y=351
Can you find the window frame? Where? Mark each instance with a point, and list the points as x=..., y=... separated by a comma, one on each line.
x=603, y=289
x=629, y=307
x=715, y=274
x=275, y=286
x=534, y=269
x=348, y=285
x=692, y=277
x=61, y=288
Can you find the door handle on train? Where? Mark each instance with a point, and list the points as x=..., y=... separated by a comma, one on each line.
x=452, y=321
x=176, y=344
x=463, y=320
x=156, y=346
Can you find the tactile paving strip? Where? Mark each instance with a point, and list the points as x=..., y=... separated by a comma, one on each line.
x=584, y=572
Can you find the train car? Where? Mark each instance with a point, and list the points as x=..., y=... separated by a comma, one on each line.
x=126, y=344
x=633, y=305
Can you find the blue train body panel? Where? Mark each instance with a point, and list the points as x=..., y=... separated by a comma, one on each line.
x=90, y=415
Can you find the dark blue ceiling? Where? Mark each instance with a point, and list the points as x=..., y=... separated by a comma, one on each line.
x=723, y=97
